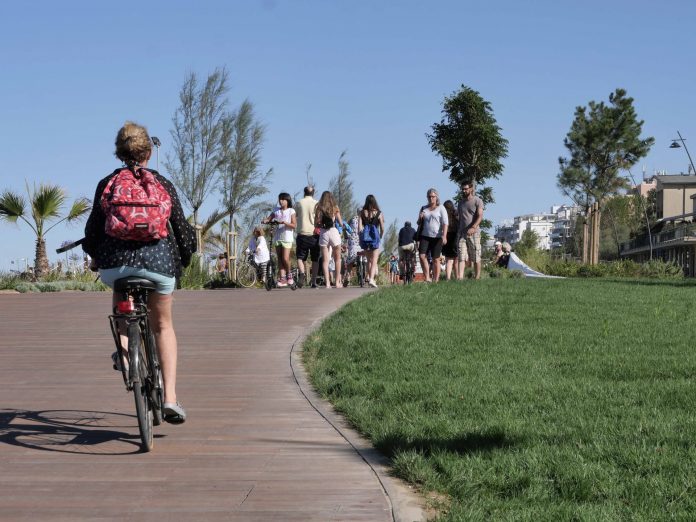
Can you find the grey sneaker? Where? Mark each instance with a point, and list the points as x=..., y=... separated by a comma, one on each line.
x=174, y=413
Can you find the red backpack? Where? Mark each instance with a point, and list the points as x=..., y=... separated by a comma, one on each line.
x=136, y=205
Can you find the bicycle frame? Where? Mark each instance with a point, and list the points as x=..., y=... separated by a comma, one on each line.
x=130, y=309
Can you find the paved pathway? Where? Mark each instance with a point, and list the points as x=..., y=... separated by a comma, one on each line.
x=253, y=448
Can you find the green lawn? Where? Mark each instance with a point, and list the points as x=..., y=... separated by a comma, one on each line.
x=524, y=399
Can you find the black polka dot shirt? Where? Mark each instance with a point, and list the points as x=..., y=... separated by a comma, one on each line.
x=166, y=256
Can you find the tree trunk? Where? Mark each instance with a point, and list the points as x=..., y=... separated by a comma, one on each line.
x=586, y=237
x=595, y=235
x=41, y=259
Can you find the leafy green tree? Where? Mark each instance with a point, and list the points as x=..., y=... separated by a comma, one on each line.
x=469, y=141
x=197, y=132
x=342, y=188
x=43, y=205
x=625, y=218
x=527, y=243
x=604, y=140
x=391, y=238
x=241, y=180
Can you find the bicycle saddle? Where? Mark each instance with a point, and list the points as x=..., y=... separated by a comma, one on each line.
x=129, y=283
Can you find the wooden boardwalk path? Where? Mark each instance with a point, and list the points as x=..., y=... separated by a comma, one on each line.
x=253, y=448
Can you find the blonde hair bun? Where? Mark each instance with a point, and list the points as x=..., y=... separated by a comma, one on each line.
x=133, y=144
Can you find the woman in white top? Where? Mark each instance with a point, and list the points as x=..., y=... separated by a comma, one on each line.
x=259, y=249
x=286, y=219
x=432, y=222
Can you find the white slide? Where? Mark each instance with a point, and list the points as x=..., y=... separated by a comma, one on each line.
x=515, y=263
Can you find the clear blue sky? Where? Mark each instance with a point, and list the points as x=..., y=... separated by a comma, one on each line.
x=325, y=76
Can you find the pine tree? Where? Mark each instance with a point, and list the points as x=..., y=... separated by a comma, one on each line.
x=342, y=188
x=603, y=141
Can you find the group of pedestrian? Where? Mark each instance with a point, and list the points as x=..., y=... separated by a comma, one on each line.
x=323, y=236
x=449, y=231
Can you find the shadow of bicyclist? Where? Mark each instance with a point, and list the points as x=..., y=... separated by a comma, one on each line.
x=70, y=431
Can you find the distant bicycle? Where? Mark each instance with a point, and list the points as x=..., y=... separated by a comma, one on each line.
x=409, y=266
x=361, y=268
x=247, y=272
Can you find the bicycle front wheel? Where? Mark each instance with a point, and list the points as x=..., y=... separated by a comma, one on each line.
x=270, y=276
x=139, y=370
x=246, y=275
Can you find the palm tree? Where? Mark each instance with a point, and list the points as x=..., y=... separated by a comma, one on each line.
x=45, y=204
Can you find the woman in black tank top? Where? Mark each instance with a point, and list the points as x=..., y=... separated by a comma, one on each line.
x=371, y=215
x=326, y=214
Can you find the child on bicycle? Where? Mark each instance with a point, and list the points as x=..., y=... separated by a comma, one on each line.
x=260, y=253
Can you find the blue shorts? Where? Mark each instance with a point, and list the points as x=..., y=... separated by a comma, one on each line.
x=165, y=284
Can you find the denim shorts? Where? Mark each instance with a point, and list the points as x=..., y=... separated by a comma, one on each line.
x=165, y=284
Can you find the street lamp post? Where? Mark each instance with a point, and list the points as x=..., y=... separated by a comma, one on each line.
x=156, y=142
x=675, y=145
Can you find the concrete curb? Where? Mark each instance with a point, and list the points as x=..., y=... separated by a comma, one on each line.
x=406, y=505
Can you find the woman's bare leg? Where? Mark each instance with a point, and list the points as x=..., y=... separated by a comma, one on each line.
x=281, y=261
x=337, y=264
x=374, y=255
x=425, y=266
x=286, y=261
x=325, y=266
x=162, y=326
x=436, y=269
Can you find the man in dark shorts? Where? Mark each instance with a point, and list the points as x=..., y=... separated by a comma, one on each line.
x=307, y=240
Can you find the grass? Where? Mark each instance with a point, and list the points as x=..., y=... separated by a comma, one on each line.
x=523, y=399
x=82, y=281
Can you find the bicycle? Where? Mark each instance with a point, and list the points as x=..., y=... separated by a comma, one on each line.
x=361, y=268
x=247, y=272
x=143, y=373
x=409, y=263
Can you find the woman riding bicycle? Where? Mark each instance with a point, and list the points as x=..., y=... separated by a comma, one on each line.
x=158, y=260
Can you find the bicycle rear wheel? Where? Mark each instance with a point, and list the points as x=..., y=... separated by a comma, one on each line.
x=155, y=381
x=246, y=275
x=139, y=373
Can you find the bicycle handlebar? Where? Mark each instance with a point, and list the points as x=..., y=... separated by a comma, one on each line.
x=69, y=246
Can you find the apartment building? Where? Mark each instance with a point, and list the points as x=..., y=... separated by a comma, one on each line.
x=673, y=238
x=553, y=228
